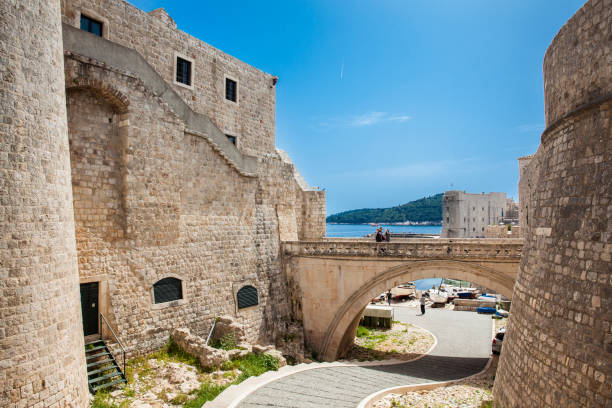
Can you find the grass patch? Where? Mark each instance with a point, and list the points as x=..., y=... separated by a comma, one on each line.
x=250, y=365
x=101, y=400
x=362, y=331
x=172, y=352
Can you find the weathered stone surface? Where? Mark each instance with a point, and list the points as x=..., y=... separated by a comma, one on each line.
x=559, y=328
x=42, y=363
x=209, y=356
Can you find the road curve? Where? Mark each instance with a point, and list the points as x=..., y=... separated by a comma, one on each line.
x=463, y=348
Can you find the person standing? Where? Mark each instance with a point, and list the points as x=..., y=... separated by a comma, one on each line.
x=387, y=235
x=423, y=304
x=389, y=297
x=379, y=235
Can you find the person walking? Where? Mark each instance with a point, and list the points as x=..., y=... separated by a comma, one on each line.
x=423, y=304
x=387, y=235
x=389, y=297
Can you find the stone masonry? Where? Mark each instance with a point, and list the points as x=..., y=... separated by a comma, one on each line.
x=160, y=192
x=102, y=147
x=41, y=342
x=558, y=346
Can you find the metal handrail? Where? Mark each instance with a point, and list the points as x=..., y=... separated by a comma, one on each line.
x=212, y=329
x=102, y=318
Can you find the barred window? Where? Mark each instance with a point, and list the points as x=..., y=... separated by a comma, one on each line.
x=231, y=89
x=183, y=71
x=247, y=297
x=167, y=290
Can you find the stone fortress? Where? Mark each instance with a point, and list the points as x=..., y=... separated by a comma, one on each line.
x=139, y=163
x=467, y=215
x=139, y=167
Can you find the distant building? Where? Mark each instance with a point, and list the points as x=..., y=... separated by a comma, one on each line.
x=467, y=215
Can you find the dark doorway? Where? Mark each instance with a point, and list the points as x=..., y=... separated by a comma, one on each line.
x=89, y=307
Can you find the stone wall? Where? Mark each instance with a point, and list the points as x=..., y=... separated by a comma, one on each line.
x=42, y=362
x=153, y=200
x=560, y=327
x=155, y=36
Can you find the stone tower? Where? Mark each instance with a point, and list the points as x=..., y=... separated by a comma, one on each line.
x=558, y=347
x=42, y=361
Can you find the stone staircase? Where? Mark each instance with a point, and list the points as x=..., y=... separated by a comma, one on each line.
x=102, y=369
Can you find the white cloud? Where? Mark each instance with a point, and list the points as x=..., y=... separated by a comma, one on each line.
x=372, y=118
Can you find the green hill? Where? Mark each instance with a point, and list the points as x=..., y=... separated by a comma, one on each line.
x=427, y=209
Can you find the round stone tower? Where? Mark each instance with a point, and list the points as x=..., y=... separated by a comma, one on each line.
x=558, y=347
x=42, y=360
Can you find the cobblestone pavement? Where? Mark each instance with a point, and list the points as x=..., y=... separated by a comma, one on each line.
x=463, y=348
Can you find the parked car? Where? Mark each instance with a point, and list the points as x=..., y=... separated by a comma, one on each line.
x=496, y=345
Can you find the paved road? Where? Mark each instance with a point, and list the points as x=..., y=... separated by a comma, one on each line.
x=464, y=344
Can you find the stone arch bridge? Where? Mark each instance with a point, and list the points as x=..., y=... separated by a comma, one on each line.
x=332, y=280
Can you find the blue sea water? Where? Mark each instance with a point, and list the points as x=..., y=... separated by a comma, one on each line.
x=359, y=230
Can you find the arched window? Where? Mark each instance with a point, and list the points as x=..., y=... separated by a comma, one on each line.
x=167, y=290
x=247, y=297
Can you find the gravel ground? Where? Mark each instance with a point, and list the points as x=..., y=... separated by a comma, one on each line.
x=475, y=392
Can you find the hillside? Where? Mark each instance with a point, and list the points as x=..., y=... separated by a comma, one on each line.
x=425, y=209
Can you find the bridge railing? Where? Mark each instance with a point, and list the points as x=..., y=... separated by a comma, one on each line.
x=409, y=248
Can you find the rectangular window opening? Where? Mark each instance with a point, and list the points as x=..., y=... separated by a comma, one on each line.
x=183, y=71
x=90, y=25
x=231, y=88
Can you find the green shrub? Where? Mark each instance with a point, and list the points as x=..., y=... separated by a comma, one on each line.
x=227, y=342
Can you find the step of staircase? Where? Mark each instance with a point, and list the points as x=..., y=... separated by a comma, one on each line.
x=102, y=369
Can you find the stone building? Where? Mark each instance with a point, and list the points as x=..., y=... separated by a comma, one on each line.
x=145, y=160
x=558, y=346
x=466, y=215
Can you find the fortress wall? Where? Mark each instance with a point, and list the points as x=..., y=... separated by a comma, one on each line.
x=154, y=201
x=155, y=36
x=558, y=346
x=42, y=362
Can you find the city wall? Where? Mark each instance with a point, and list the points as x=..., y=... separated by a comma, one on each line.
x=41, y=342
x=559, y=329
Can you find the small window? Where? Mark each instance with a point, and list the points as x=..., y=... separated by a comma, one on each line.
x=473, y=229
x=90, y=25
x=167, y=290
x=231, y=139
x=482, y=229
x=447, y=219
x=231, y=89
x=482, y=208
x=183, y=71
x=247, y=297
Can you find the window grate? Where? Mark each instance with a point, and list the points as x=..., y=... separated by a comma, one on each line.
x=231, y=88
x=247, y=297
x=183, y=71
x=167, y=290
x=90, y=25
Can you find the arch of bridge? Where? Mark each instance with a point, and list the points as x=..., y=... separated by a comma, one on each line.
x=341, y=330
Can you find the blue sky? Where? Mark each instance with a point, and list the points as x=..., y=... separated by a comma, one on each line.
x=382, y=102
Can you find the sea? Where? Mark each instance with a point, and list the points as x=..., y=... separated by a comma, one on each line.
x=360, y=230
